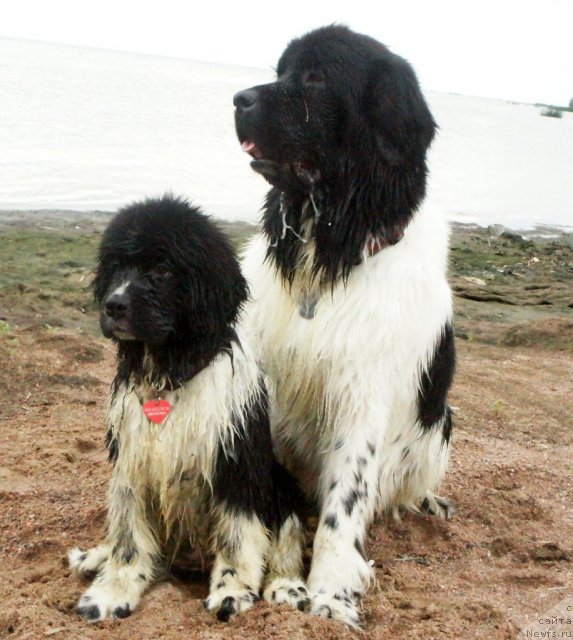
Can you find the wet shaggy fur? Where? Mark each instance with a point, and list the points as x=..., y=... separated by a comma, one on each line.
x=351, y=307
x=171, y=294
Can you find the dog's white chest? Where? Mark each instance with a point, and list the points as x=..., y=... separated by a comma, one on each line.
x=164, y=454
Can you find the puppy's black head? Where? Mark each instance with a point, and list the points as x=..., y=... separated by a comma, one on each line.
x=167, y=277
x=345, y=122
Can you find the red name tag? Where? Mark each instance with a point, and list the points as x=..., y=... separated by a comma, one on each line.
x=157, y=410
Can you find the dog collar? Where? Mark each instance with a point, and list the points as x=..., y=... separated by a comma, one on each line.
x=375, y=244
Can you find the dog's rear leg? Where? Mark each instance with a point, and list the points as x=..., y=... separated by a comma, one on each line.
x=254, y=501
x=240, y=544
x=284, y=583
x=87, y=564
x=132, y=561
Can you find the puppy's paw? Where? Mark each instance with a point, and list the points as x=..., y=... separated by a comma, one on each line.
x=337, y=606
x=87, y=564
x=226, y=602
x=107, y=601
x=291, y=591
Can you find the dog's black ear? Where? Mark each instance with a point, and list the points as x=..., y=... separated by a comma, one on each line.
x=216, y=290
x=397, y=110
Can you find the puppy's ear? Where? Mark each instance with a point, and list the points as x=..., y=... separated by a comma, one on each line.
x=397, y=110
x=216, y=295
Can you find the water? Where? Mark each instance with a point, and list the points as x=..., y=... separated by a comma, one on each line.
x=87, y=129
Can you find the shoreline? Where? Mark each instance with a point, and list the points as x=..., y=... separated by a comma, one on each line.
x=96, y=220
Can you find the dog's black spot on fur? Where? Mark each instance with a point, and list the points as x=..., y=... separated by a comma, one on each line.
x=350, y=501
x=228, y=572
x=227, y=609
x=124, y=549
x=83, y=557
x=362, y=462
x=129, y=554
x=89, y=613
x=274, y=595
x=405, y=453
x=339, y=444
x=331, y=521
x=333, y=485
x=220, y=585
x=122, y=612
x=359, y=547
x=112, y=445
x=371, y=448
x=435, y=383
x=447, y=428
x=142, y=577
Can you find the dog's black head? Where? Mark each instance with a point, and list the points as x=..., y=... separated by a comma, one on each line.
x=345, y=124
x=169, y=286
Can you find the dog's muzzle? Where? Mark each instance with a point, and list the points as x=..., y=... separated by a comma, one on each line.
x=115, y=319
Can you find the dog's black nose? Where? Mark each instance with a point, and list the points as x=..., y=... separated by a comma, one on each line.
x=116, y=306
x=245, y=99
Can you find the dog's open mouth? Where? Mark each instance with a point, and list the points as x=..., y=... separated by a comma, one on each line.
x=278, y=173
x=248, y=146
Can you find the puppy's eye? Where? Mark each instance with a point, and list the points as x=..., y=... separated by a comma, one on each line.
x=162, y=271
x=313, y=78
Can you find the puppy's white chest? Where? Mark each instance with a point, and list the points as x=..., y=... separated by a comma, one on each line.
x=154, y=437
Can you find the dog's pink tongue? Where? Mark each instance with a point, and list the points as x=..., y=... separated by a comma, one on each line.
x=248, y=146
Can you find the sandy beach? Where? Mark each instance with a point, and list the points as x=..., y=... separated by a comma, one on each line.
x=504, y=559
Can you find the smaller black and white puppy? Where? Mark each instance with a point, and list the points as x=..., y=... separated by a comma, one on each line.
x=188, y=427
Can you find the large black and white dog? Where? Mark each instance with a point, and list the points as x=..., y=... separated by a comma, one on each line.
x=351, y=309
x=188, y=429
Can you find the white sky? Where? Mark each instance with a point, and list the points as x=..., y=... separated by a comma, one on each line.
x=512, y=49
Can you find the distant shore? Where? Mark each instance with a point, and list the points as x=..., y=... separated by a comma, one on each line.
x=97, y=221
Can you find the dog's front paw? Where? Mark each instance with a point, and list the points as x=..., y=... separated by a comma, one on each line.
x=226, y=602
x=336, y=606
x=87, y=564
x=291, y=591
x=106, y=601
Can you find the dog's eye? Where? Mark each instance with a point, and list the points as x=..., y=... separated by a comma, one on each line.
x=162, y=271
x=313, y=78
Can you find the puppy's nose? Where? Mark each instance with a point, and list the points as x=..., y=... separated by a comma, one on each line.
x=116, y=306
x=245, y=99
